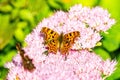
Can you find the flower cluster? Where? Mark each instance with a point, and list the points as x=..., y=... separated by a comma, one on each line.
x=80, y=64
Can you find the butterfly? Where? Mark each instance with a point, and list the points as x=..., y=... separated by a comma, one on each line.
x=61, y=42
x=26, y=61
x=17, y=78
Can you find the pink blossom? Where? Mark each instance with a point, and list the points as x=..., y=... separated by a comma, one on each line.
x=80, y=63
x=97, y=18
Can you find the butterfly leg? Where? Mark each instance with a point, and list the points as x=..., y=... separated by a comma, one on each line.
x=46, y=53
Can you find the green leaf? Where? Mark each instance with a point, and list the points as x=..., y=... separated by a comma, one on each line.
x=19, y=34
x=19, y=3
x=115, y=75
x=3, y=1
x=27, y=15
x=5, y=29
x=6, y=58
x=22, y=24
x=111, y=40
x=3, y=73
x=112, y=6
x=15, y=14
x=110, y=44
x=40, y=10
x=5, y=8
x=54, y=4
x=102, y=53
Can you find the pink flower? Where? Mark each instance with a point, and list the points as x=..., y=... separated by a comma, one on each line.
x=96, y=18
x=80, y=63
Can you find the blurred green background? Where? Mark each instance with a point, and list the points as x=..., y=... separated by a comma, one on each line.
x=19, y=17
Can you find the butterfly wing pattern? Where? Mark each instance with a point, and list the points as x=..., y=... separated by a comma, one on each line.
x=61, y=42
x=51, y=39
x=68, y=41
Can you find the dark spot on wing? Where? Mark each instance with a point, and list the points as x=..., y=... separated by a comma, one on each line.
x=51, y=32
x=70, y=34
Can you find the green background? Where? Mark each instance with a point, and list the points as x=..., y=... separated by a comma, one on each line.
x=19, y=17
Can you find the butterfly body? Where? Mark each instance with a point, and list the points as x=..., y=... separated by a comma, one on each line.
x=62, y=42
x=26, y=61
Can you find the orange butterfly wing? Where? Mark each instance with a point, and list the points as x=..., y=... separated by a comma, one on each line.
x=68, y=41
x=51, y=39
x=54, y=41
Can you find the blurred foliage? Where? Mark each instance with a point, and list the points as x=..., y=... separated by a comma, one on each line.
x=19, y=17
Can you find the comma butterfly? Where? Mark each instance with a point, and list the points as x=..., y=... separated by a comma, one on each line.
x=62, y=42
x=17, y=78
x=26, y=61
